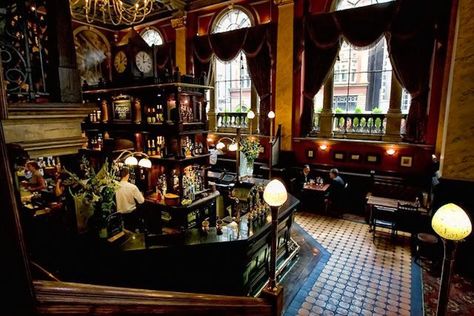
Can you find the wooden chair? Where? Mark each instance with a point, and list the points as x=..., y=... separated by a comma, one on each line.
x=383, y=217
x=407, y=218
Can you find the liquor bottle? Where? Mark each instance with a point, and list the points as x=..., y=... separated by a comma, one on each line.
x=159, y=113
x=99, y=115
x=148, y=115
x=105, y=111
x=100, y=142
x=153, y=147
x=148, y=147
x=153, y=115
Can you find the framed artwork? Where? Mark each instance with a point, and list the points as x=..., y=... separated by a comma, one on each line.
x=406, y=161
x=355, y=157
x=339, y=156
x=310, y=153
x=372, y=158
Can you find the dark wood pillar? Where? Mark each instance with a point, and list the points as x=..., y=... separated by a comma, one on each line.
x=18, y=295
x=63, y=77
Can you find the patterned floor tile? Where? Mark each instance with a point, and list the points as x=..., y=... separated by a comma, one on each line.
x=360, y=277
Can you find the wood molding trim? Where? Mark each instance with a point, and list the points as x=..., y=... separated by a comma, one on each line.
x=72, y=298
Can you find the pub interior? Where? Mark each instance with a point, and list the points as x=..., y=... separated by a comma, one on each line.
x=267, y=157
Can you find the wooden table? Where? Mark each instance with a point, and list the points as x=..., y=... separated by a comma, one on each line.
x=390, y=203
x=315, y=187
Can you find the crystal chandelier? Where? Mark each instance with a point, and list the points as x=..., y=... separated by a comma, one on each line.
x=113, y=11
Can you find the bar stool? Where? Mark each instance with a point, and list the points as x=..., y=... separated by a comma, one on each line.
x=427, y=246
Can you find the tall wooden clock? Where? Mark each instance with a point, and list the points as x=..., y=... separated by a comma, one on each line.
x=142, y=61
x=121, y=68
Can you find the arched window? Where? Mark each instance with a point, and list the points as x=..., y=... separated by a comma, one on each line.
x=232, y=81
x=362, y=77
x=152, y=36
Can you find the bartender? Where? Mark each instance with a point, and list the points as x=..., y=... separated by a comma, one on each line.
x=127, y=196
x=36, y=182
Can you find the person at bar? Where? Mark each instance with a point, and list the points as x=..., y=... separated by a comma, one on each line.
x=334, y=195
x=36, y=182
x=127, y=197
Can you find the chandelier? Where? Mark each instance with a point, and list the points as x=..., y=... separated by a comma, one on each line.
x=114, y=12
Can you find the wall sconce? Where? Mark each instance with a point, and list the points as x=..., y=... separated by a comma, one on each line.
x=391, y=151
x=452, y=224
x=323, y=147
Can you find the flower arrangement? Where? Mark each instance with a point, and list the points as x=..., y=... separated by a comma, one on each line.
x=250, y=147
x=96, y=191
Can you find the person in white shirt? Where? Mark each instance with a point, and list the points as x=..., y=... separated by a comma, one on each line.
x=127, y=196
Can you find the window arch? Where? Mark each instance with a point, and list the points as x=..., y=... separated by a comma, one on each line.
x=152, y=36
x=362, y=77
x=232, y=80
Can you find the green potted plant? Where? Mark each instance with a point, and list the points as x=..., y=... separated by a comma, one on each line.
x=250, y=149
x=94, y=196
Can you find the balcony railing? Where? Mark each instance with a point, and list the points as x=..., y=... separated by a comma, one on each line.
x=361, y=124
x=232, y=120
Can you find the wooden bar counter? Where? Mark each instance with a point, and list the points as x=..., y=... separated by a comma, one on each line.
x=233, y=263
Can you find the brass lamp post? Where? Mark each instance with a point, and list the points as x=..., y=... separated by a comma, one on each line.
x=274, y=195
x=452, y=224
x=271, y=117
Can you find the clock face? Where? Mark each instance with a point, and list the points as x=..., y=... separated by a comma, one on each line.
x=143, y=61
x=120, y=62
x=152, y=37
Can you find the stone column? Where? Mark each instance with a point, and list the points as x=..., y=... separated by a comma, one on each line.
x=394, y=114
x=325, y=117
x=63, y=81
x=284, y=71
x=179, y=24
x=458, y=136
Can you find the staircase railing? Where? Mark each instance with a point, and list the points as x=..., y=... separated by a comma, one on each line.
x=60, y=298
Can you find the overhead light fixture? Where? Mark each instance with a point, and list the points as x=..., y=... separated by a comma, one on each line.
x=271, y=115
x=114, y=12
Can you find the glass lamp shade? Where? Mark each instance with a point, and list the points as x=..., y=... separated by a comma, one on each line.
x=271, y=115
x=451, y=222
x=145, y=163
x=251, y=115
x=233, y=147
x=220, y=145
x=131, y=161
x=275, y=193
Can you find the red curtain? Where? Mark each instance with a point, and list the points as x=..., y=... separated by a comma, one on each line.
x=410, y=45
x=256, y=43
x=409, y=28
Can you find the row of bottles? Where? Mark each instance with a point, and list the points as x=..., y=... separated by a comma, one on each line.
x=95, y=142
x=193, y=182
x=190, y=149
x=154, y=114
x=156, y=147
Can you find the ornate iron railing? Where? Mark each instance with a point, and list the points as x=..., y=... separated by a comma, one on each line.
x=23, y=50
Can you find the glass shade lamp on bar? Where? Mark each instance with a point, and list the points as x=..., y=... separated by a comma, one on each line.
x=452, y=224
x=129, y=159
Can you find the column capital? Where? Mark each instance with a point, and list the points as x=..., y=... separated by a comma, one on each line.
x=178, y=22
x=283, y=2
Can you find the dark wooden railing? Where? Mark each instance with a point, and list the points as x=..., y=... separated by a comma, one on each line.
x=61, y=298
x=232, y=120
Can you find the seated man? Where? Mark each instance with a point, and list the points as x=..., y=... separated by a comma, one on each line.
x=334, y=195
x=303, y=177
x=127, y=195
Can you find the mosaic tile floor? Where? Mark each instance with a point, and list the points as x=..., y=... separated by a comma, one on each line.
x=357, y=276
